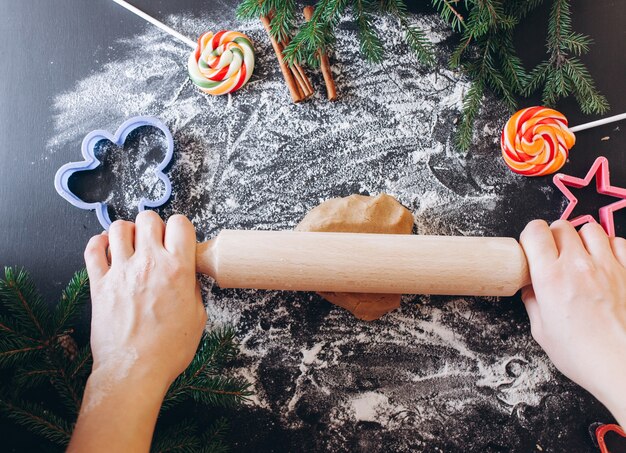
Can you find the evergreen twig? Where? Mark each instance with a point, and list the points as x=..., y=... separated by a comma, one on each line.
x=563, y=74
x=213, y=439
x=73, y=298
x=24, y=302
x=485, y=51
x=37, y=351
x=37, y=419
x=202, y=382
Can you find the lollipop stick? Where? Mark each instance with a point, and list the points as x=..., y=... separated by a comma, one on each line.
x=153, y=21
x=591, y=124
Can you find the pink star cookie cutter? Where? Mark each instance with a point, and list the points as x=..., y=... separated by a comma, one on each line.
x=599, y=170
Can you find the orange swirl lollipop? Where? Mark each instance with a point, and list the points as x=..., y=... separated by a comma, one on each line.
x=536, y=140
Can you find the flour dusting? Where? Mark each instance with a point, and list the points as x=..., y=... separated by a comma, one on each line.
x=102, y=383
x=424, y=374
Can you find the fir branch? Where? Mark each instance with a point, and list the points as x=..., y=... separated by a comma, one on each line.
x=29, y=378
x=215, y=350
x=82, y=364
x=220, y=346
x=69, y=389
x=39, y=362
x=73, y=298
x=10, y=330
x=449, y=13
x=485, y=51
x=563, y=74
x=369, y=41
x=584, y=88
x=213, y=439
x=179, y=438
x=37, y=420
x=316, y=35
x=537, y=77
x=521, y=8
x=415, y=37
x=577, y=43
x=253, y=9
x=471, y=107
x=20, y=296
x=12, y=355
x=283, y=20
x=419, y=43
x=220, y=391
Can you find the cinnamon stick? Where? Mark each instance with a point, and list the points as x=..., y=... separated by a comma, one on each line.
x=301, y=77
x=300, y=85
x=304, y=80
x=297, y=94
x=331, y=89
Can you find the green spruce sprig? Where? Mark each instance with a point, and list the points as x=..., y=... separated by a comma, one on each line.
x=185, y=437
x=485, y=52
x=563, y=73
x=414, y=36
x=34, y=352
x=317, y=34
x=203, y=381
x=38, y=353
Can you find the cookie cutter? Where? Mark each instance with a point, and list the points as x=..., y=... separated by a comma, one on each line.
x=62, y=177
x=599, y=170
x=601, y=432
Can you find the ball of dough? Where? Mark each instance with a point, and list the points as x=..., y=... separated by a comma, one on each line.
x=361, y=214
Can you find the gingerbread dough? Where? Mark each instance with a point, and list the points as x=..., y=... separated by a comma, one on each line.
x=361, y=214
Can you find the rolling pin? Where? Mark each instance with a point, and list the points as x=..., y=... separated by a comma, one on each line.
x=368, y=263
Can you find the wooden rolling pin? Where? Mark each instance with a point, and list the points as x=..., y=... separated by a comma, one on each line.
x=368, y=263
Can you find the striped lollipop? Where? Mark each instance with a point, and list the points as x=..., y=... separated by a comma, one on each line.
x=222, y=62
x=536, y=141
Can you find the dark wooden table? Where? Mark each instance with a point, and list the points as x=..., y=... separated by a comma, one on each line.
x=48, y=46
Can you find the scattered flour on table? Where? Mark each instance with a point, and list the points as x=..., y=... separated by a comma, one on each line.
x=255, y=160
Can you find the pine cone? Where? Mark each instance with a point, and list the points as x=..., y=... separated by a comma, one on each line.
x=68, y=345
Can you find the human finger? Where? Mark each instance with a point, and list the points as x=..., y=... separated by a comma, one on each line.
x=596, y=241
x=149, y=231
x=180, y=237
x=566, y=238
x=539, y=246
x=121, y=240
x=618, y=245
x=96, y=256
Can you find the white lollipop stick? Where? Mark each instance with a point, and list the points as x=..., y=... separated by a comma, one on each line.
x=610, y=119
x=153, y=21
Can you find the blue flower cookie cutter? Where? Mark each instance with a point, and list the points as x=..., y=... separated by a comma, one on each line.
x=63, y=175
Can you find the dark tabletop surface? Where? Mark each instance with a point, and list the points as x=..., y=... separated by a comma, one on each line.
x=33, y=218
x=47, y=47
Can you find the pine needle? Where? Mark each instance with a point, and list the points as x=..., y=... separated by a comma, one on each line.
x=21, y=298
x=38, y=354
x=73, y=298
x=563, y=74
x=38, y=420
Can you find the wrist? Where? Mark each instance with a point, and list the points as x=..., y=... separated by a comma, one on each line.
x=613, y=396
x=121, y=403
x=125, y=374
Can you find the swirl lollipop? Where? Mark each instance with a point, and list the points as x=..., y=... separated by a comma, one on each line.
x=222, y=63
x=536, y=140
